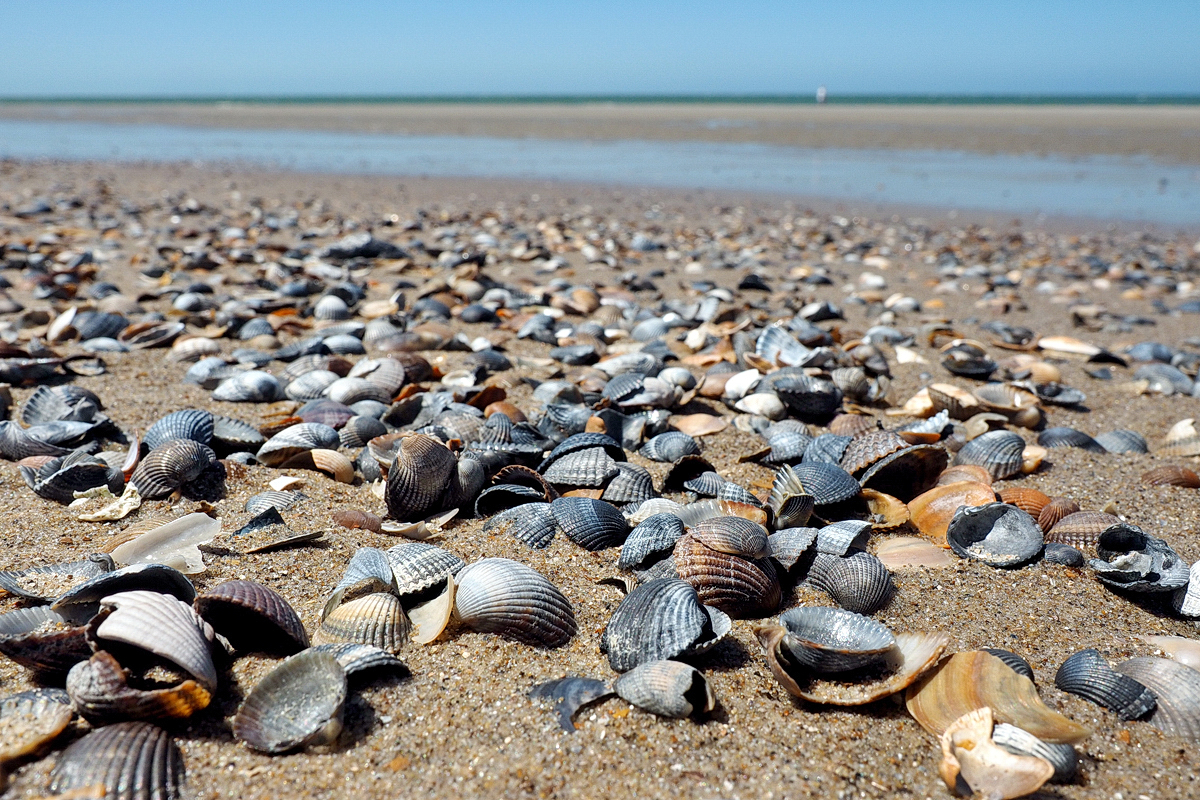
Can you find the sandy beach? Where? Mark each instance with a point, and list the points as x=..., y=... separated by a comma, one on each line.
x=461, y=725
x=1163, y=132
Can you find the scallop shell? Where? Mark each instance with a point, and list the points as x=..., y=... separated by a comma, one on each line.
x=100, y=690
x=966, y=681
x=997, y=534
x=169, y=467
x=829, y=640
x=1172, y=475
x=158, y=624
x=297, y=439
x=377, y=619
x=569, y=695
x=1082, y=529
x=826, y=483
x=999, y=452
x=130, y=760
x=1088, y=675
x=419, y=478
x=189, y=423
x=591, y=524
x=660, y=619
x=654, y=536
x=740, y=587
x=853, y=425
x=1177, y=688
x=251, y=386
x=733, y=535
x=252, y=617
x=666, y=688
x=496, y=595
x=932, y=511
x=857, y=582
x=531, y=524
x=30, y=720
x=417, y=566
x=296, y=704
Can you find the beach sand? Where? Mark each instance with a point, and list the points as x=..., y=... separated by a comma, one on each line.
x=462, y=726
x=1171, y=133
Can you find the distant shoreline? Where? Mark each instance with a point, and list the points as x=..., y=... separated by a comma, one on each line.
x=639, y=99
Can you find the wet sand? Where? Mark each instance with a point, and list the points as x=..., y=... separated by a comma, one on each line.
x=1170, y=133
x=461, y=725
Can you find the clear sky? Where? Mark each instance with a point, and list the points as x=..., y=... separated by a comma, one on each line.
x=126, y=47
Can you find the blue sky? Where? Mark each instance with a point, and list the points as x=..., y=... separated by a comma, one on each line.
x=305, y=48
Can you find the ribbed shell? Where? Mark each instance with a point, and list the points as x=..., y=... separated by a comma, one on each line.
x=655, y=536
x=999, y=452
x=827, y=483
x=1082, y=529
x=84, y=599
x=670, y=447
x=908, y=472
x=1123, y=441
x=359, y=430
x=170, y=466
x=1020, y=742
x=592, y=467
x=788, y=545
x=369, y=570
x=997, y=534
x=16, y=443
x=351, y=390
x=827, y=448
x=788, y=447
x=325, y=412
x=808, y=398
x=591, y=524
x=48, y=582
x=158, y=624
x=356, y=658
x=296, y=703
x=417, y=566
x=252, y=617
x=733, y=535
x=530, y=523
x=1064, y=554
x=852, y=424
x=1177, y=688
x=281, y=501
x=833, y=639
x=1012, y=660
x=497, y=595
x=100, y=691
x=868, y=448
x=1088, y=675
x=857, y=582
x=1172, y=475
x=840, y=537
x=418, y=480
x=1069, y=437
x=386, y=373
x=666, y=688
x=632, y=484
x=235, y=434
x=741, y=587
x=1058, y=509
x=1029, y=500
x=660, y=619
x=30, y=720
x=131, y=760
x=252, y=386
x=190, y=423
x=39, y=639
x=296, y=439
x=377, y=619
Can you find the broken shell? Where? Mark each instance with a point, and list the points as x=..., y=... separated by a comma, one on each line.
x=1184, y=650
x=887, y=513
x=971, y=760
x=830, y=640
x=1015, y=662
x=660, y=619
x=741, y=587
x=1130, y=560
x=907, y=552
x=666, y=688
x=99, y=689
x=1062, y=757
x=417, y=567
x=1182, y=440
x=39, y=639
x=997, y=534
x=356, y=518
x=280, y=501
x=1177, y=688
x=431, y=617
x=47, y=582
x=175, y=544
x=357, y=658
x=569, y=695
x=377, y=619
x=932, y=511
x=496, y=595
x=252, y=617
x=296, y=704
x=1088, y=675
x=129, y=760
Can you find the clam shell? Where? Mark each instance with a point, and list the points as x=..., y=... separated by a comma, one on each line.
x=591, y=524
x=840, y=537
x=932, y=511
x=1055, y=511
x=908, y=472
x=857, y=582
x=130, y=760
x=569, y=695
x=827, y=640
x=788, y=447
x=348, y=391
x=158, y=624
x=660, y=619
x=170, y=467
x=496, y=595
x=966, y=681
x=653, y=537
x=297, y=703
x=251, y=386
x=964, y=472
x=417, y=566
x=190, y=423
x=330, y=462
x=252, y=617
x=17, y=443
x=419, y=478
x=40, y=639
x=1062, y=757
x=791, y=506
x=1123, y=441
x=1063, y=554
x=826, y=483
x=997, y=534
x=1172, y=475
x=30, y=720
x=670, y=447
x=1177, y=688
x=1082, y=529
x=531, y=524
x=230, y=434
x=733, y=535
x=83, y=601
x=972, y=763
x=907, y=552
x=1181, y=440
x=297, y=439
x=810, y=399
x=377, y=619
x=591, y=467
x=1012, y=660
x=1130, y=560
x=666, y=689
x=853, y=425
x=999, y=452
x=325, y=412
x=789, y=545
x=357, y=658
x=47, y=582
x=280, y=501
x=740, y=587
x=1069, y=437
x=958, y=403
x=359, y=430
x=826, y=449
x=1088, y=675
x=1184, y=650
x=868, y=448
x=632, y=484
x=100, y=691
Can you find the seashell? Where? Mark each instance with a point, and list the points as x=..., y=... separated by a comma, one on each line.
x=496, y=595
x=853, y=425
x=280, y=501
x=695, y=513
x=348, y=391
x=964, y=472
x=569, y=695
x=47, y=582
x=359, y=430
x=591, y=467
x=997, y=534
x=190, y=423
x=1056, y=394
x=40, y=639
x=1063, y=554
x=840, y=537
x=100, y=691
x=1062, y=757
x=251, y=386
x=158, y=624
x=763, y=404
x=632, y=484
x=655, y=536
x=1172, y=475
x=591, y=524
x=1055, y=511
x=958, y=403
x=253, y=617
x=778, y=347
x=787, y=447
x=973, y=763
x=1186, y=599
x=356, y=518
x=330, y=462
x=977, y=679
x=234, y=434
x=660, y=619
x=1185, y=651
x=30, y=720
x=912, y=656
x=531, y=524
x=666, y=688
x=906, y=552
x=1181, y=440
x=1012, y=660
x=806, y=397
x=358, y=658
x=1082, y=529
x=870, y=447
x=1123, y=441
x=376, y=619
x=17, y=443
x=932, y=511
x=128, y=760
x=298, y=703
x=82, y=602
x=296, y=439
x=999, y=452
x=417, y=567
x=1005, y=398
x=1069, y=437
x=670, y=447
x=60, y=478
x=1129, y=559
x=826, y=448
x=740, y=587
x=175, y=544
x=733, y=535
x=789, y=545
x=857, y=582
x=170, y=467
x=826, y=483
x=310, y=385
x=831, y=640
x=419, y=479
x=908, y=472
x=791, y=506
x=1029, y=500
x=1088, y=675
x=1177, y=688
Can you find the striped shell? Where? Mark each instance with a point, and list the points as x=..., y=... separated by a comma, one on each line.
x=1055, y=511
x=158, y=624
x=418, y=480
x=190, y=423
x=417, y=566
x=660, y=619
x=297, y=703
x=999, y=452
x=170, y=467
x=100, y=691
x=1172, y=475
x=740, y=587
x=297, y=439
x=591, y=524
x=252, y=386
x=1082, y=529
x=531, y=524
x=1088, y=675
x=666, y=688
x=377, y=619
x=252, y=617
x=130, y=760
x=1177, y=688
x=496, y=595
x=857, y=582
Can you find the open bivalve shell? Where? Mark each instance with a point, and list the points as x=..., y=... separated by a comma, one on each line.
x=972, y=763
x=99, y=688
x=159, y=624
x=29, y=721
x=298, y=703
x=997, y=534
x=832, y=640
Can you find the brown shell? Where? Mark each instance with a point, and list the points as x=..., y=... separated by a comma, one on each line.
x=1172, y=475
x=887, y=512
x=964, y=472
x=377, y=619
x=932, y=511
x=740, y=587
x=865, y=450
x=127, y=761
x=356, y=518
x=1081, y=529
x=958, y=402
x=852, y=424
x=1029, y=500
x=252, y=617
x=100, y=690
x=733, y=535
x=1055, y=511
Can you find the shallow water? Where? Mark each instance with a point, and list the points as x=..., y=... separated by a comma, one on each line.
x=1103, y=187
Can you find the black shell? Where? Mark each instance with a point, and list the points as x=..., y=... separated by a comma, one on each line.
x=857, y=582
x=1069, y=437
x=131, y=760
x=591, y=524
x=530, y=523
x=252, y=617
x=189, y=423
x=662, y=618
x=1088, y=675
